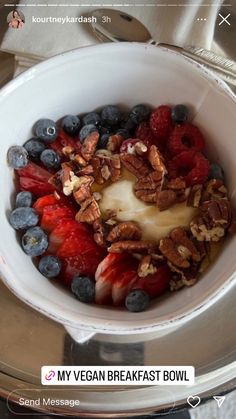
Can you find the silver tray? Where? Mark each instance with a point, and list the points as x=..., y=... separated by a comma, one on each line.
x=30, y=340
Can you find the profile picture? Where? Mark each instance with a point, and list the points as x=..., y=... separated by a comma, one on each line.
x=16, y=19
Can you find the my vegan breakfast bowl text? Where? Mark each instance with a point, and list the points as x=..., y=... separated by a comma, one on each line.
x=120, y=206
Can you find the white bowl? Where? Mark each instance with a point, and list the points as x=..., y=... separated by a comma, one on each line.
x=83, y=80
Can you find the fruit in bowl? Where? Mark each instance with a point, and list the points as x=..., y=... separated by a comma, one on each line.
x=101, y=75
x=120, y=206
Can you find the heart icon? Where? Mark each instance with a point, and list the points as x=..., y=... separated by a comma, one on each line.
x=193, y=401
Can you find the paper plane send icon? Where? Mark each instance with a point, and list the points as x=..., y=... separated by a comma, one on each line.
x=219, y=400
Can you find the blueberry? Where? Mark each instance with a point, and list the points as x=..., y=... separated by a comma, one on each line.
x=105, y=129
x=140, y=113
x=179, y=114
x=92, y=118
x=50, y=159
x=124, y=133
x=23, y=217
x=34, y=148
x=86, y=130
x=46, y=130
x=137, y=300
x=128, y=124
x=102, y=143
x=216, y=172
x=24, y=199
x=34, y=241
x=17, y=157
x=111, y=115
x=83, y=288
x=71, y=124
x=49, y=266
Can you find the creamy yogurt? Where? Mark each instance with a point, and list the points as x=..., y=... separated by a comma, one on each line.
x=154, y=224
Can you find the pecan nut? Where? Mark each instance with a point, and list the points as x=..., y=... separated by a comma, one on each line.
x=135, y=165
x=134, y=246
x=114, y=142
x=165, y=199
x=214, y=220
x=177, y=185
x=181, y=278
x=82, y=189
x=156, y=160
x=146, y=188
x=195, y=196
x=69, y=180
x=178, y=248
x=214, y=190
x=146, y=267
x=106, y=167
x=99, y=233
x=125, y=231
x=89, y=211
x=89, y=146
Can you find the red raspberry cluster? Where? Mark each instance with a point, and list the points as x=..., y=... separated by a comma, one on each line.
x=182, y=143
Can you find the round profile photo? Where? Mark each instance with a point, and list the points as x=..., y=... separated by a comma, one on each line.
x=16, y=19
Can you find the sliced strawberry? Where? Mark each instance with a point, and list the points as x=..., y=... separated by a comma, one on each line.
x=78, y=244
x=34, y=186
x=46, y=200
x=79, y=265
x=155, y=284
x=33, y=171
x=123, y=285
x=52, y=214
x=113, y=276
x=64, y=140
x=63, y=229
x=110, y=260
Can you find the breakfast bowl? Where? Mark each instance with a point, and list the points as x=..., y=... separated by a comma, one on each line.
x=87, y=79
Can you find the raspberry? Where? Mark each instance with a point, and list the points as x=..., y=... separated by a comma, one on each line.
x=145, y=134
x=161, y=123
x=191, y=165
x=185, y=137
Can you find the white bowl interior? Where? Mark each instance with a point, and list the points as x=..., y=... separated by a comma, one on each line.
x=84, y=80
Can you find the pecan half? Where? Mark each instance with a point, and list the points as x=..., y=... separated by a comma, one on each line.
x=177, y=185
x=165, y=199
x=169, y=250
x=106, y=168
x=156, y=160
x=114, y=142
x=134, y=246
x=195, y=196
x=181, y=278
x=135, y=165
x=178, y=248
x=89, y=211
x=146, y=188
x=186, y=247
x=125, y=231
x=145, y=267
x=89, y=146
x=69, y=180
x=215, y=189
x=214, y=219
x=81, y=190
x=99, y=232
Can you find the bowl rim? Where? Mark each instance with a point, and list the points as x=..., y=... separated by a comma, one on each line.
x=112, y=327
